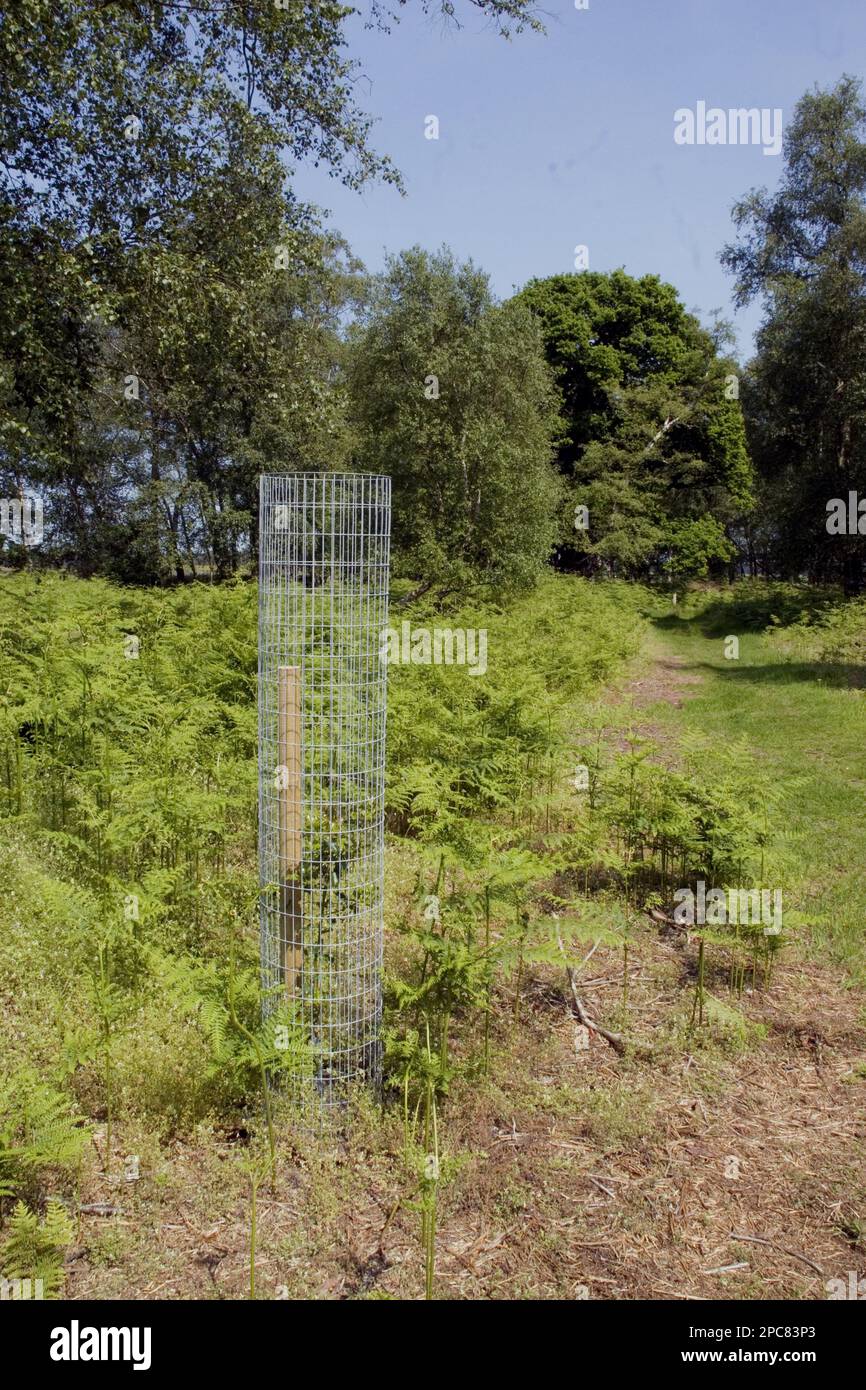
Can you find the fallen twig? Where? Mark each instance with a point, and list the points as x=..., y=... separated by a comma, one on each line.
x=598, y=980
x=608, y=1190
x=762, y=1240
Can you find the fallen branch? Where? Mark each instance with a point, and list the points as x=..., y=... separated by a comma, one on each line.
x=615, y=1040
x=664, y=920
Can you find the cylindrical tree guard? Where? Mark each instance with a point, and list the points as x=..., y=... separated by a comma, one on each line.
x=323, y=605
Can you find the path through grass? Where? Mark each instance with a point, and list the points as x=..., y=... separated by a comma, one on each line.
x=805, y=724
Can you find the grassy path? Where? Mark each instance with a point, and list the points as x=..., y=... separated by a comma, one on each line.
x=806, y=727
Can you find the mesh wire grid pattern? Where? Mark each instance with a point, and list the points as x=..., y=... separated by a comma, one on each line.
x=324, y=543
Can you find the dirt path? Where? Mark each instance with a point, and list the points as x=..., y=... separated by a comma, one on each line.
x=663, y=677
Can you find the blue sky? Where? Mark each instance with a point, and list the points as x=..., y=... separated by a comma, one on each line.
x=552, y=141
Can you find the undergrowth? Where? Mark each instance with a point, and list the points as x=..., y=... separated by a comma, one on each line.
x=538, y=822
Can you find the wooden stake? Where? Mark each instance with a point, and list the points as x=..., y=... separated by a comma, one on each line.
x=290, y=825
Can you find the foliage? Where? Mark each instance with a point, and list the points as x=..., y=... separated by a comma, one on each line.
x=693, y=546
x=654, y=447
x=450, y=395
x=169, y=309
x=463, y=746
x=34, y=1249
x=837, y=635
x=127, y=795
x=127, y=787
x=40, y=1132
x=802, y=249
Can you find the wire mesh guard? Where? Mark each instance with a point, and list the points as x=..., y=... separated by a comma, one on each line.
x=323, y=603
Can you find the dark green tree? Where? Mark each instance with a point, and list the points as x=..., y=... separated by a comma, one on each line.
x=654, y=446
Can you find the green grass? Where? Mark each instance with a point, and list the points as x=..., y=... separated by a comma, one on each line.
x=803, y=718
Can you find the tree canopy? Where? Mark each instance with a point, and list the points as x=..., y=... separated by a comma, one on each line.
x=173, y=322
x=654, y=445
x=169, y=315
x=450, y=394
x=802, y=250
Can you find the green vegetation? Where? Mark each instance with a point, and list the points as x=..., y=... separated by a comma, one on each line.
x=532, y=827
x=173, y=323
x=801, y=250
x=169, y=308
x=450, y=395
x=654, y=442
x=129, y=937
x=795, y=693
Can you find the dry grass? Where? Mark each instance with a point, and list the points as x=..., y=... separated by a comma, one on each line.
x=579, y=1173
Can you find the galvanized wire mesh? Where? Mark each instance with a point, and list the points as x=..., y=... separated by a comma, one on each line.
x=323, y=604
